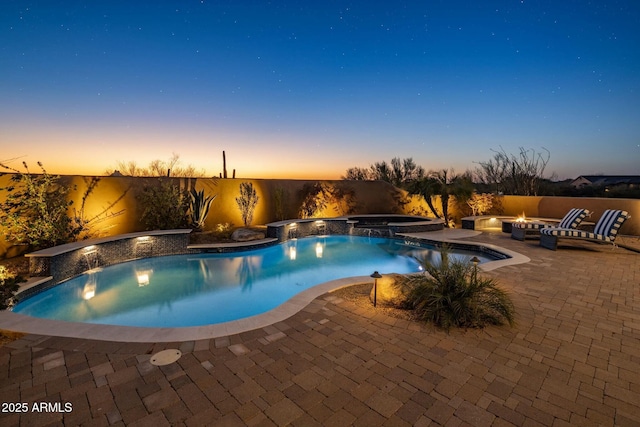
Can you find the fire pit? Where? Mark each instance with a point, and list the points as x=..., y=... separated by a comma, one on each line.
x=523, y=226
x=507, y=224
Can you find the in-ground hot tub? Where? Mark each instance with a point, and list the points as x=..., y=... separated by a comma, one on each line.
x=385, y=220
x=379, y=225
x=390, y=225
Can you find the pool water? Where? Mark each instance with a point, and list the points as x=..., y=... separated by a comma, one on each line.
x=202, y=289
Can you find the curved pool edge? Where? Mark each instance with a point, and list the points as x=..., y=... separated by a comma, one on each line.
x=39, y=326
x=34, y=325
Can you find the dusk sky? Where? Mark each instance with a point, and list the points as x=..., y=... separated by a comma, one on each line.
x=302, y=89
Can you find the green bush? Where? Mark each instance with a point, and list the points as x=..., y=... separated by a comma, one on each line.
x=316, y=197
x=8, y=287
x=452, y=294
x=164, y=206
x=35, y=210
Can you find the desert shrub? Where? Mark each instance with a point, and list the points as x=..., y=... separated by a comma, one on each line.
x=480, y=203
x=164, y=206
x=35, y=209
x=344, y=199
x=314, y=200
x=452, y=294
x=280, y=195
x=8, y=287
x=247, y=202
x=318, y=196
x=508, y=173
x=223, y=230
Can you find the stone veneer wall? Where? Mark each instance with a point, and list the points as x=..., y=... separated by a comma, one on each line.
x=67, y=264
x=285, y=230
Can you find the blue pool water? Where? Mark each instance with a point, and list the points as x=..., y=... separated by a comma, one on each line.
x=202, y=289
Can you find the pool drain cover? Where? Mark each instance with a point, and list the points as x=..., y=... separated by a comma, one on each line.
x=165, y=357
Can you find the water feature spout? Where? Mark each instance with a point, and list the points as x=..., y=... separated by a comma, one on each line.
x=91, y=257
x=143, y=248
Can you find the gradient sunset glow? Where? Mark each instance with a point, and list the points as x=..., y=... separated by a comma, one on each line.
x=308, y=90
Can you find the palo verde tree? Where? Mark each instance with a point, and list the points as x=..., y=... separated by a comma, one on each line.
x=517, y=174
x=159, y=168
x=399, y=172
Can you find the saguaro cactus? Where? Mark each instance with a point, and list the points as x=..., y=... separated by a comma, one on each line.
x=224, y=165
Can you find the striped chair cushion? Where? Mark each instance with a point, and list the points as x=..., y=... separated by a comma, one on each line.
x=579, y=234
x=605, y=230
x=573, y=218
x=610, y=222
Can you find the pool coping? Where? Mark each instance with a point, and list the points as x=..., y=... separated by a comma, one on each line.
x=27, y=324
x=33, y=325
x=74, y=246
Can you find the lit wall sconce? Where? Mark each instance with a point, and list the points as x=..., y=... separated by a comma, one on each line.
x=89, y=248
x=143, y=238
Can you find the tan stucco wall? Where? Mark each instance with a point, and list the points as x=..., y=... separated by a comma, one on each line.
x=370, y=197
x=113, y=202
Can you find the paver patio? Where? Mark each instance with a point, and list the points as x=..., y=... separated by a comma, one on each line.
x=572, y=359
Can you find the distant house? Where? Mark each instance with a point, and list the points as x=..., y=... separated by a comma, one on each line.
x=607, y=181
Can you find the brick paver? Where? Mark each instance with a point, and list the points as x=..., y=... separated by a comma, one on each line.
x=572, y=359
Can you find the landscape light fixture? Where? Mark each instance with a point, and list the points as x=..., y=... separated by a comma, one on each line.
x=375, y=276
x=475, y=262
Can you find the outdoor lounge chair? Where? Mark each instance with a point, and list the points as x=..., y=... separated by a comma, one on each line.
x=605, y=231
x=571, y=220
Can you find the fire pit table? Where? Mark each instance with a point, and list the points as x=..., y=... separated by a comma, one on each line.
x=520, y=229
x=507, y=223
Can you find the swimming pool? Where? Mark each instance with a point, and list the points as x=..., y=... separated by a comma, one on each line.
x=203, y=289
